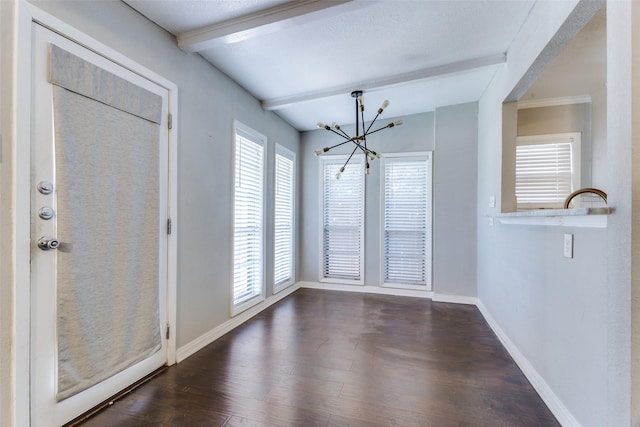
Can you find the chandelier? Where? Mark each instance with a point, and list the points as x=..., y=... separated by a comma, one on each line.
x=360, y=141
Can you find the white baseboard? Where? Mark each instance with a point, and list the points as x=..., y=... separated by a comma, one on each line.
x=455, y=299
x=215, y=333
x=564, y=416
x=367, y=289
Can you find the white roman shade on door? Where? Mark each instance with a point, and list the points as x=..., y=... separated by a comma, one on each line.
x=406, y=211
x=107, y=217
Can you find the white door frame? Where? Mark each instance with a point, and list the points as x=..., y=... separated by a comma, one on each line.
x=25, y=14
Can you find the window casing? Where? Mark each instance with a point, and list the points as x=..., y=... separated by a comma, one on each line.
x=342, y=218
x=284, y=218
x=248, y=219
x=547, y=169
x=406, y=220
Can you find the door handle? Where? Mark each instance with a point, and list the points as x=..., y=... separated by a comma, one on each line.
x=46, y=243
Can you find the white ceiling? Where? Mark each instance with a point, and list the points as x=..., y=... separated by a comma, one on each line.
x=302, y=59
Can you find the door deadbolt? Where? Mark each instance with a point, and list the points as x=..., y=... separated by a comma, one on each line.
x=46, y=243
x=46, y=213
x=45, y=187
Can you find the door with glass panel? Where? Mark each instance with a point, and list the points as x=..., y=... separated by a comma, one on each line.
x=99, y=209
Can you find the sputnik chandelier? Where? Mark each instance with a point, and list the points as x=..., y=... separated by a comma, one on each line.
x=360, y=141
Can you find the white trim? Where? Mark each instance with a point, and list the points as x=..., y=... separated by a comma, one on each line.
x=332, y=157
x=418, y=155
x=455, y=299
x=553, y=102
x=366, y=289
x=21, y=214
x=398, y=292
x=575, y=140
x=554, y=403
x=207, y=338
x=281, y=150
x=234, y=309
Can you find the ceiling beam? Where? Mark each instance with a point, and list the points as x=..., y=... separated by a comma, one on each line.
x=259, y=23
x=398, y=79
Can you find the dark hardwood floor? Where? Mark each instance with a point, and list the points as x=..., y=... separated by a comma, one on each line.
x=325, y=358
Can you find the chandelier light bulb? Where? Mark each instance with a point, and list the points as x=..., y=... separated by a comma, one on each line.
x=336, y=126
x=320, y=125
x=398, y=122
x=385, y=104
x=318, y=152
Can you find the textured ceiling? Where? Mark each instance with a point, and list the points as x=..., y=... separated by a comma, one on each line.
x=302, y=59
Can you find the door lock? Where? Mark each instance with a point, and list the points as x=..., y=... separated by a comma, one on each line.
x=46, y=243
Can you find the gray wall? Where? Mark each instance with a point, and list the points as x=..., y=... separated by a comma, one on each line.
x=451, y=133
x=208, y=103
x=567, y=317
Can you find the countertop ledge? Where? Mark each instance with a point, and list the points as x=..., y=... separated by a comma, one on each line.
x=576, y=217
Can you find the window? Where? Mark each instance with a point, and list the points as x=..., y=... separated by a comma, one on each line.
x=283, y=218
x=342, y=220
x=248, y=218
x=547, y=169
x=406, y=224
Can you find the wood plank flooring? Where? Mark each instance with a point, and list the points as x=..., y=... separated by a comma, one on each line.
x=326, y=358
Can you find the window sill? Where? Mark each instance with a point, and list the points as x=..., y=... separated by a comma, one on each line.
x=578, y=217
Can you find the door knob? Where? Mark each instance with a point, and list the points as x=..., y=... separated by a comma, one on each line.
x=46, y=243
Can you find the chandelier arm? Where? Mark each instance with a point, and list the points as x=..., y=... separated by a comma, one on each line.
x=378, y=130
x=362, y=120
x=364, y=149
x=352, y=153
x=371, y=124
x=343, y=135
x=338, y=144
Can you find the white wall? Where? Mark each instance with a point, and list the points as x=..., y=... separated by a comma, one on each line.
x=567, y=318
x=451, y=133
x=208, y=103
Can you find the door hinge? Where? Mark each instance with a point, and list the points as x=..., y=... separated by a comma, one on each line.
x=169, y=226
x=168, y=331
x=170, y=121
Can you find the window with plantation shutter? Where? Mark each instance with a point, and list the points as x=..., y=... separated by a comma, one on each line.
x=248, y=218
x=406, y=206
x=342, y=220
x=283, y=218
x=547, y=170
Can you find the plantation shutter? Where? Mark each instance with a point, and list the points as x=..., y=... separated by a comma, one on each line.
x=407, y=221
x=248, y=217
x=543, y=174
x=343, y=219
x=283, y=217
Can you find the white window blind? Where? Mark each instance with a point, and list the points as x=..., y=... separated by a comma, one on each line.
x=407, y=220
x=283, y=218
x=343, y=220
x=546, y=171
x=248, y=217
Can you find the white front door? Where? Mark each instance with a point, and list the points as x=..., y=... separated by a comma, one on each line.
x=99, y=209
